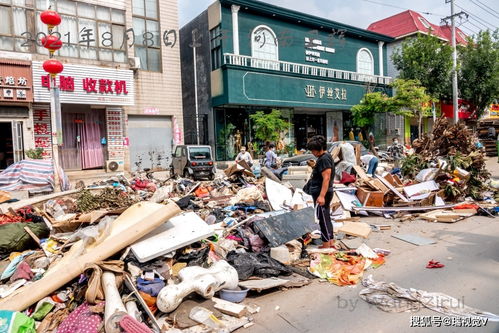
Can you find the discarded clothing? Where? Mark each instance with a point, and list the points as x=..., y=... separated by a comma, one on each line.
x=256, y=264
x=81, y=320
x=13, y=237
x=338, y=268
x=150, y=287
x=23, y=271
x=11, y=268
x=390, y=297
x=16, y=322
x=95, y=291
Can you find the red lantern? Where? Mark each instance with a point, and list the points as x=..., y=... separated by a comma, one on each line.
x=50, y=18
x=53, y=67
x=51, y=42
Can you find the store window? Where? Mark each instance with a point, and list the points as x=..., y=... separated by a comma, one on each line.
x=365, y=62
x=264, y=44
x=215, y=46
x=87, y=31
x=147, y=34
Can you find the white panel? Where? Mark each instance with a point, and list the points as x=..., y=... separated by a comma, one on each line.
x=79, y=95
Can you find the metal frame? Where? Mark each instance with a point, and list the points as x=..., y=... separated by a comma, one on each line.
x=146, y=18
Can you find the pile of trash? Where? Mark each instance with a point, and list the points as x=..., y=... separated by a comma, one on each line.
x=149, y=255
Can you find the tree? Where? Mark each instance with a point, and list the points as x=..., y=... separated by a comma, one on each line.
x=363, y=113
x=427, y=59
x=268, y=126
x=479, y=70
x=411, y=100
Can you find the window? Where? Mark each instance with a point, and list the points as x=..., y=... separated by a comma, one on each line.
x=425, y=23
x=264, y=44
x=365, y=63
x=14, y=22
x=215, y=46
x=87, y=31
x=147, y=34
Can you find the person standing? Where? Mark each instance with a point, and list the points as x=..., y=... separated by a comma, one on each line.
x=244, y=156
x=396, y=152
x=270, y=157
x=320, y=187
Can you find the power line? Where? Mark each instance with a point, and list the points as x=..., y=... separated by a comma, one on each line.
x=488, y=7
x=476, y=26
x=398, y=7
x=462, y=25
x=486, y=10
x=477, y=18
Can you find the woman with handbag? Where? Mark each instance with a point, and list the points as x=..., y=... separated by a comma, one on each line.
x=320, y=187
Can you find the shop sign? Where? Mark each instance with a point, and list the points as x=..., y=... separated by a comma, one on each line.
x=325, y=92
x=86, y=85
x=151, y=111
x=15, y=82
x=313, y=49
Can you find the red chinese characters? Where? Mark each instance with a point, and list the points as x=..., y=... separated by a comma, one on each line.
x=120, y=87
x=41, y=128
x=105, y=86
x=67, y=83
x=90, y=85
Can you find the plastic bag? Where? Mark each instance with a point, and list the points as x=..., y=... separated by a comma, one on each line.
x=256, y=264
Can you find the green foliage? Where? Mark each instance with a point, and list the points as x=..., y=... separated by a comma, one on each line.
x=372, y=103
x=427, y=59
x=412, y=164
x=268, y=126
x=479, y=70
x=35, y=154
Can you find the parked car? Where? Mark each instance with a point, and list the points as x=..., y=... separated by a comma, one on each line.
x=193, y=161
x=303, y=158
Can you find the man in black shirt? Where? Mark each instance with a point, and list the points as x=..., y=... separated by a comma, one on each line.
x=321, y=187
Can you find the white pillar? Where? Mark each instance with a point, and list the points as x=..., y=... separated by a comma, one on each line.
x=380, y=56
x=235, y=28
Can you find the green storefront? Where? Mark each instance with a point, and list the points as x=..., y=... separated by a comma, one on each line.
x=265, y=57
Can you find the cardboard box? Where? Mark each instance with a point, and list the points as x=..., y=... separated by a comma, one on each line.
x=370, y=198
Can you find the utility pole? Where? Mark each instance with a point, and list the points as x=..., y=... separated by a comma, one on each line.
x=455, y=97
x=195, y=45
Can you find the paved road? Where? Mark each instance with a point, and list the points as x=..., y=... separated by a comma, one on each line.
x=469, y=249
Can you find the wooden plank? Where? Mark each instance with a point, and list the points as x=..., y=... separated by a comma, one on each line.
x=357, y=154
x=359, y=229
x=361, y=173
x=263, y=284
x=229, y=308
x=393, y=189
x=20, y=204
x=400, y=209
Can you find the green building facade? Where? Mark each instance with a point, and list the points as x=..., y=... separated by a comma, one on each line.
x=264, y=57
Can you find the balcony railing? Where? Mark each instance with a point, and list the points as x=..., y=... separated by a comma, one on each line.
x=290, y=67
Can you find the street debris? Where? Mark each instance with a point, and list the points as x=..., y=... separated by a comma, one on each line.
x=390, y=297
x=140, y=254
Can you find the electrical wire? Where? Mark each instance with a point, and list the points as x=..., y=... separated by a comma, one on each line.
x=398, y=7
x=477, y=18
x=485, y=9
x=473, y=32
x=488, y=7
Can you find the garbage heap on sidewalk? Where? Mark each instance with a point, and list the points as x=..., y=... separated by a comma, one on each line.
x=143, y=255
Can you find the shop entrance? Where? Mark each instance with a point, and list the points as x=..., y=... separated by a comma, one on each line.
x=11, y=143
x=306, y=126
x=84, y=137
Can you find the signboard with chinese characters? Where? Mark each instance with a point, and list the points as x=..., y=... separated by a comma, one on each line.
x=41, y=130
x=86, y=85
x=15, y=81
x=313, y=49
x=114, y=123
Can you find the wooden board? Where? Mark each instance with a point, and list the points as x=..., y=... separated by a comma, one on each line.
x=230, y=308
x=263, y=284
x=361, y=173
x=392, y=188
x=400, y=209
x=370, y=198
x=180, y=231
x=359, y=229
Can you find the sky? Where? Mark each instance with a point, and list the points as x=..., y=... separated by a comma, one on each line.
x=360, y=13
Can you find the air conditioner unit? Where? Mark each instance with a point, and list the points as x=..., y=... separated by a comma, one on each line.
x=114, y=165
x=134, y=62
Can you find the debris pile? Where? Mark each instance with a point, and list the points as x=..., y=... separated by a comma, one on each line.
x=144, y=255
